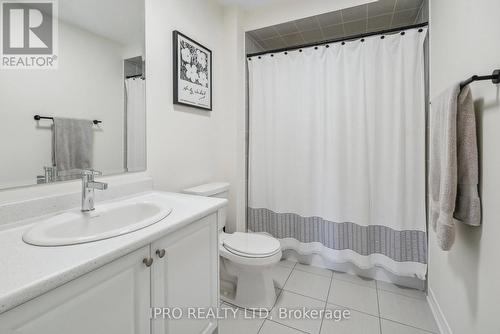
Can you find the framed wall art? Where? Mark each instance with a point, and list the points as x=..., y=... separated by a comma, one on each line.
x=192, y=73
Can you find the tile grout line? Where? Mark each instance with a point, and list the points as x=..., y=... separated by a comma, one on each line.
x=353, y=282
x=378, y=306
x=356, y=283
x=407, y=325
x=281, y=290
x=284, y=283
x=353, y=309
x=240, y=309
x=279, y=323
x=276, y=302
x=400, y=294
x=381, y=289
x=299, y=31
x=320, y=27
x=342, y=21
x=291, y=272
x=310, y=272
x=261, y=325
x=367, y=17
x=394, y=11
x=326, y=303
x=419, y=12
x=279, y=35
x=289, y=267
x=299, y=294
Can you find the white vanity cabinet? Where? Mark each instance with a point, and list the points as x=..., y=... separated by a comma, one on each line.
x=117, y=298
x=112, y=299
x=186, y=276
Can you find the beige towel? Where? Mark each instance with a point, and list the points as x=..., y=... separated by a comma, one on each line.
x=468, y=204
x=453, y=174
x=443, y=165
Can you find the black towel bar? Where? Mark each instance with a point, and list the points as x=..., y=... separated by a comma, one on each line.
x=38, y=117
x=494, y=77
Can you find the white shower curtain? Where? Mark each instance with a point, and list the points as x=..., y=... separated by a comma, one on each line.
x=337, y=151
x=136, y=124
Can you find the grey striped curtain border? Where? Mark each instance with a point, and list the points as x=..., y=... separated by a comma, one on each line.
x=400, y=246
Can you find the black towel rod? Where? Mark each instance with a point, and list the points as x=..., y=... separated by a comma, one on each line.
x=494, y=77
x=140, y=76
x=38, y=117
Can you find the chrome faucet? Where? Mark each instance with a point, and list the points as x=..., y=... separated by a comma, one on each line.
x=88, y=187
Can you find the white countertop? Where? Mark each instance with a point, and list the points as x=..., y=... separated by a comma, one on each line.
x=28, y=271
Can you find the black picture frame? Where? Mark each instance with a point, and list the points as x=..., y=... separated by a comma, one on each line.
x=190, y=88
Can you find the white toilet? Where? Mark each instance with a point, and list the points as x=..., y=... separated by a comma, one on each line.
x=246, y=260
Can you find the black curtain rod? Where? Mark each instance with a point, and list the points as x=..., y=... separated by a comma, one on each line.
x=380, y=32
x=38, y=117
x=494, y=77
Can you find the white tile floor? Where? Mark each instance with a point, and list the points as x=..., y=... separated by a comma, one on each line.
x=375, y=307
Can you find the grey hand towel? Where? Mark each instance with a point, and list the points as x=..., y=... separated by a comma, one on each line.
x=443, y=166
x=73, y=143
x=468, y=204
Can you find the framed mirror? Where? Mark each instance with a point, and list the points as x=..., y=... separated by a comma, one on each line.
x=84, y=107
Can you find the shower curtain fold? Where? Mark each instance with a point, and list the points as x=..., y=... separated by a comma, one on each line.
x=136, y=124
x=337, y=151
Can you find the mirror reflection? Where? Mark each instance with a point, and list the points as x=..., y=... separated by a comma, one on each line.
x=89, y=111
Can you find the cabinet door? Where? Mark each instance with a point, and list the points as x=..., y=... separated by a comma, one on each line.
x=114, y=299
x=186, y=276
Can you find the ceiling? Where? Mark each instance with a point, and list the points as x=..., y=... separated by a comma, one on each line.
x=375, y=16
x=119, y=20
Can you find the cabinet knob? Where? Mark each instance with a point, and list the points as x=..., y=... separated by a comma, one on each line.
x=148, y=261
x=160, y=253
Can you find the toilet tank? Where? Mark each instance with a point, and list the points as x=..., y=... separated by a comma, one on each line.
x=215, y=189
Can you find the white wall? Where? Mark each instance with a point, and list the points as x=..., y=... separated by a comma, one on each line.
x=465, y=39
x=88, y=84
x=187, y=146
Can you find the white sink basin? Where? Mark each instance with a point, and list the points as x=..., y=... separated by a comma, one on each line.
x=106, y=221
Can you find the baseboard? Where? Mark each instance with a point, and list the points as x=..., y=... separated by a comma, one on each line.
x=443, y=326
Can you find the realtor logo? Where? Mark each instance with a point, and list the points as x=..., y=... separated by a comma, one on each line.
x=29, y=34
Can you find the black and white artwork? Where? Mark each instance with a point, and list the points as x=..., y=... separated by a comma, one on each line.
x=192, y=73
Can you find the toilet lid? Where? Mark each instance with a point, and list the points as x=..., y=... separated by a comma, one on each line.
x=252, y=244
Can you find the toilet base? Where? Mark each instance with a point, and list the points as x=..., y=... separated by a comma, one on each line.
x=252, y=285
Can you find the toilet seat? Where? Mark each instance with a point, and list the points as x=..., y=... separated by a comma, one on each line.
x=251, y=245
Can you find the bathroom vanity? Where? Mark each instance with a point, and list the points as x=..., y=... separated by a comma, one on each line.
x=109, y=286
